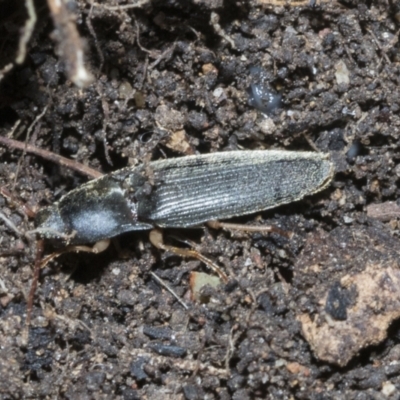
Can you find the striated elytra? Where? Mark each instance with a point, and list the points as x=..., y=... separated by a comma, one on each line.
x=183, y=192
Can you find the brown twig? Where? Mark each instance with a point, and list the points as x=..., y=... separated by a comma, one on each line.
x=48, y=155
x=27, y=211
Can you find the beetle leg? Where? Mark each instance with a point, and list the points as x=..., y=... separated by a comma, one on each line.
x=98, y=247
x=248, y=228
x=156, y=239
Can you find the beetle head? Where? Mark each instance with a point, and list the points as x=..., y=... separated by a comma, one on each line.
x=49, y=224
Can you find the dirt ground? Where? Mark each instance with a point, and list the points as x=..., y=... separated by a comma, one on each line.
x=311, y=317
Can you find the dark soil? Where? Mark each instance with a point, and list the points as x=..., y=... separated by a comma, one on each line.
x=102, y=327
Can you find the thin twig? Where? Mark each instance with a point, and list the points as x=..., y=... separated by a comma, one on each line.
x=138, y=4
x=10, y=224
x=144, y=73
x=163, y=55
x=378, y=45
x=150, y=52
x=48, y=155
x=14, y=128
x=27, y=31
x=214, y=22
x=5, y=69
x=310, y=142
x=27, y=211
x=155, y=54
x=231, y=346
x=161, y=282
